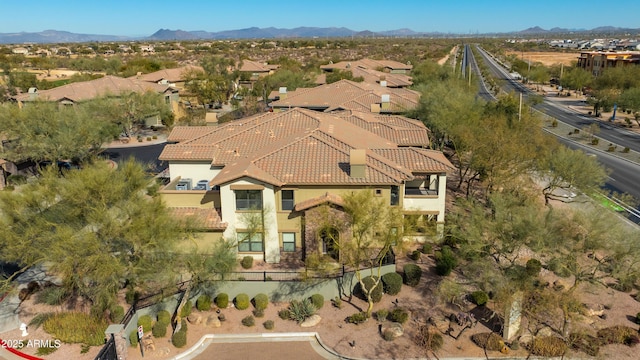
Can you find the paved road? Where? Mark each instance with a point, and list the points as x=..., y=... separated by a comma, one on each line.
x=146, y=154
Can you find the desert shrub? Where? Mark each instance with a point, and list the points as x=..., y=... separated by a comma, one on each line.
x=222, y=300
x=179, y=339
x=337, y=302
x=479, y=297
x=533, y=267
x=146, y=322
x=557, y=266
x=16, y=179
x=429, y=338
x=490, y=341
x=399, y=315
x=164, y=317
x=76, y=328
x=242, y=301
x=159, y=329
x=426, y=248
x=131, y=296
x=357, y=318
x=445, y=261
x=611, y=148
x=183, y=325
x=412, y=274
x=186, y=309
x=301, y=310
x=548, y=346
x=258, y=313
x=375, y=293
x=52, y=295
x=117, y=313
x=249, y=321
x=133, y=337
x=269, y=324
x=381, y=315
x=317, y=300
x=625, y=150
x=247, y=262
x=595, y=141
x=388, y=335
x=284, y=314
x=392, y=283
x=203, y=303
x=46, y=350
x=617, y=334
x=415, y=255
x=261, y=301
x=585, y=343
x=554, y=123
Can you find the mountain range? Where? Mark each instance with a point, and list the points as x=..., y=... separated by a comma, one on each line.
x=55, y=36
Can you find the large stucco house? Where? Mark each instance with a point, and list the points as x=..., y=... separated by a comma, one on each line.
x=283, y=165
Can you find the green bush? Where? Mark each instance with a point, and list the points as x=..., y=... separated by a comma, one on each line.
x=146, y=322
x=258, y=313
x=46, y=350
x=626, y=150
x=203, y=303
x=242, y=301
x=392, y=283
x=179, y=339
x=159, y=329
x=269, y=324
x=16, y=179
x=490, y=341
x=300, y=310
x=479, y=297
x=133, y=337
x=533, y=267
x=52, y=295
x=426, y=248
x=117, y=313
x=357, y=318
x=595, y=141
x=548, y=346
x=247, y=262
x=164, y=317
x=381, y=315
x=445, y=261
x=337, y=302
x=222, y=300
x=415, y=255
x=398, y=315
x=249, y=321
x=617, y=334
x=317, y=300
x=76, y=328
x=584, y=342
x=186, y=309
x=412, y=274
x=261, y=301
x=375, y=293
x=131, y=296
x=284, y=314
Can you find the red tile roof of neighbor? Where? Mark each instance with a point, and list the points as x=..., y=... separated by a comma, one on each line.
x=207, y=218
x=368, y=64
x=348, y=95
x=301, y=146
x=85, y=90
x=254, y=66
x=171, y=75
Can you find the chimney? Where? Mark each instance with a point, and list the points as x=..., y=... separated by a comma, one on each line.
x=357, y=163
x=385, y=102
x=283, y=93
x=383, y=83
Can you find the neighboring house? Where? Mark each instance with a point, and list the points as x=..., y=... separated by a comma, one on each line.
x=86, y=90
x=173, y=77
x=280, y=167
x=20, y=50
x=385, y=72
x=251, y=71
x=347, y=95
x=596, y=62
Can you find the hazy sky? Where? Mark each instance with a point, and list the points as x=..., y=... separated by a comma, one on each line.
x=144, y=17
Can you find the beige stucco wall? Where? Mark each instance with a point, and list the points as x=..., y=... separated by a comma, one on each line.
x=194, y=170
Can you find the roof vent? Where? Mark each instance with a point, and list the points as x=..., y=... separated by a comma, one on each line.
x=383, y=83
x=386, y=102
x=283, y=92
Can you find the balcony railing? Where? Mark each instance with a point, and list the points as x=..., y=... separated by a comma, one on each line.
x=419, y=192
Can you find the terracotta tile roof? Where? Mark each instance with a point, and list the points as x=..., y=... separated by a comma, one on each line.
x=368, y=64
x=399, y=129
x=208, y=218
x=171, y=75
x=348, y=95
x=182, y=133
x=322, y=199
x=417, y=160
x=301, y=146
x=86, y=90
x=254, y=66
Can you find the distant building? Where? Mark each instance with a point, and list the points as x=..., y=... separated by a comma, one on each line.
x=596, y=62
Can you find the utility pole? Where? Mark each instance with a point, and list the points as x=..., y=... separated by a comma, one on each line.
x=520, y=108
